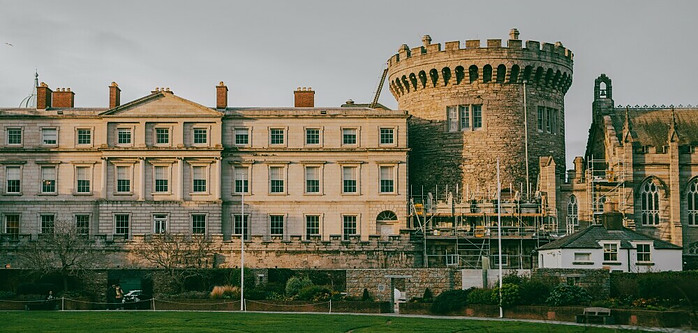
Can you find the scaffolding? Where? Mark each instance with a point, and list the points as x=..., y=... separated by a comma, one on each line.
x=606, y=182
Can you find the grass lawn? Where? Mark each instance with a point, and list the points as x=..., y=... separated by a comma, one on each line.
x=145, y=321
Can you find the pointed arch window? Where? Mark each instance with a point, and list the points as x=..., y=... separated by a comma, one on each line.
x=649, y=198
x=692, y=202
x=572, y=212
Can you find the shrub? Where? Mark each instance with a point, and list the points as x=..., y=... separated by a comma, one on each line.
x=427, y=296
x=565, y=294
x=295, y=284
x=226, y=292
x=480, y=296
x=366, y=296
x=510, y=295
x=450, y=301
x=533, y=292
x=512, y=278
x=314, y=293
x=256, y=294
x=6, y=294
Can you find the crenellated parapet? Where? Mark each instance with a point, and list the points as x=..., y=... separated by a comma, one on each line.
x=431, y=65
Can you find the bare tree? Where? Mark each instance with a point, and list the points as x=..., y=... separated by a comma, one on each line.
x=64, y=251
x=181, y=256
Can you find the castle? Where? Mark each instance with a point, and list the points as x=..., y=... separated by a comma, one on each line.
x=355, y=186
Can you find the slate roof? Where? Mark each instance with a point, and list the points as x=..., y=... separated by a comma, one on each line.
x=650, y=126
x=590, y=237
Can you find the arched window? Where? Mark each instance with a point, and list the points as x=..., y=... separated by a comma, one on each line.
x=386, y=216
x=487, y=74
x=649, y=198
x=539, y=74
x=406, y=83
x=527, y=73
x=460, y=74
x=692, y=202
x=446, y=74
x=423, y=78
x=472, y=71
x=501, y=73
x=413, y=80
x=514, y=75
x=572, y=212
x=434, y=74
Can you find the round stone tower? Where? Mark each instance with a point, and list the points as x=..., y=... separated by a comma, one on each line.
x=470, y=105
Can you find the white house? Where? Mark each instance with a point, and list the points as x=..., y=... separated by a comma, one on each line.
x=611, y=246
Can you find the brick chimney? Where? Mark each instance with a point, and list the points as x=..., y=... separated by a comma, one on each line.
x=221, y=96
x=114, y=95
x=611, y=218
x=304, y=97
x=63, y=98
x=43, y=96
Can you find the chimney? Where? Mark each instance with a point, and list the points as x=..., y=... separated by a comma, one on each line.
x=114, y=95
x=63, y=98
x=611, y=218
x=221, y=96
x=43, y=96
x=304, y=97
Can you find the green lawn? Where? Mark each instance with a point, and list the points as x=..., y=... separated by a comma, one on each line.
x=145, y=321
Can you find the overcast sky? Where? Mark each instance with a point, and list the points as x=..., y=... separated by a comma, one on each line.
x=263, y=50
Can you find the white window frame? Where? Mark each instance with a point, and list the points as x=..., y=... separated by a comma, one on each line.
x=89, y=223
x=20, y=167
x=170, y=131
x=284, y=176
x=244, y=227
x=617, y=251
x=394, y=168
x=77, y=136
x=131, y=130
x=284, y=225
x=452, y=259
x=649, y=214
x=248, y=168
x=206, y=222
x=43, y=136
x=393, y=136
x=168, y=177
x=21, y=136
x=505, y=260
x=319, y=133
x=130, y=171
x=357, y=226
x=207, y=174
x=41, y=223
x=692, y=203
x=156, y=218
x=284, y=136
x=249, y=136
x=307, y=235
x=578, y=257
x=320, y=179
x=5, y=229
x=208, y=136
x=357, y=136
x=648, y=253
x=55, y=180
x=130, y=224
x=76, y=178
x=357, y=167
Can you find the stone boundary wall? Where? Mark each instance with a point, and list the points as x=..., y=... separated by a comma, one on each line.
x=596, y=281
x=378, y=281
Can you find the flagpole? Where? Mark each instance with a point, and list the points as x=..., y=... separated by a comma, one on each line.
x=499, y=236
x=242, y=250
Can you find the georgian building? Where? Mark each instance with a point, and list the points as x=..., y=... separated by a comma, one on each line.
x=163, y=163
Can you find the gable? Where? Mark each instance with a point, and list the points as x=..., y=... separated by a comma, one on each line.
x=162, y=104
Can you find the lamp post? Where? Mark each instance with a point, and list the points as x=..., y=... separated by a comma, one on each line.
x=242, y=250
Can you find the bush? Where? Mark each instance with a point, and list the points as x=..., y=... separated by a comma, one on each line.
x=225, y=292
x=314, y=293
x=450, y=301
x=510, y=295
x=565, y=294
x=6, y=294
x=512, y=278
x=366, y=296
x=480, y=296
x=533, y=292
x=256, y=294
x=427, y=296
x=295, y=284
x=279, y=275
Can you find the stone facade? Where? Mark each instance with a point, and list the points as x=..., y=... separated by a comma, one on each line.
x=467, y=107
x=412, y=282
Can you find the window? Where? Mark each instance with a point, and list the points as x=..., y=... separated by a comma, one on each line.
x=312, y=136
x=452, y=118
x=349, y=226
x=161, y=179
x=242, y=136
x=276, y=136
x=14, y=136
x=12, y=225
x=121, y=224
x=199, y=179
x=349, y=179
x=84, y=136
x=505, y=260
x=238, y=228
x=198, y=224
x=692, y=203
x=123, y=136
x=82, y=224
x=387, y=136
x=200, y=136
x=477, y=116
x=553, y=123
x=162, y=136
x=349, y=136
x=48, y=179
x=82, y=180
x=160, y=223
x=541, y=116
x=13, y=176
x=610, y=252
x=241, y=180
x=49, y=136
x=47, y=223
x=123, y=179
x=312, y=226
x=276, y=224
x=572, y=209
x=452, y=259
x=276, y=179
x=312, y=179
x=386, y=179
x=464, y=116
x=582, y=256
x=643, y=253
x=549, y=120
x=649, y=197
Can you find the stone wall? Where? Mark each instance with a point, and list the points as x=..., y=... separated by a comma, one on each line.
x=596, y=281
x=378, y=282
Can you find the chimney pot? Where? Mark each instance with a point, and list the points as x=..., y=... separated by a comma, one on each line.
x=304, y=98
x=221, y=96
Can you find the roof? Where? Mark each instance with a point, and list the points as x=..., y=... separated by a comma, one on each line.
x=650, y=125
x=590, y=237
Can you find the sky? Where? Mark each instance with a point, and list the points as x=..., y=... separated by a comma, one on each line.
x=263, y=50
